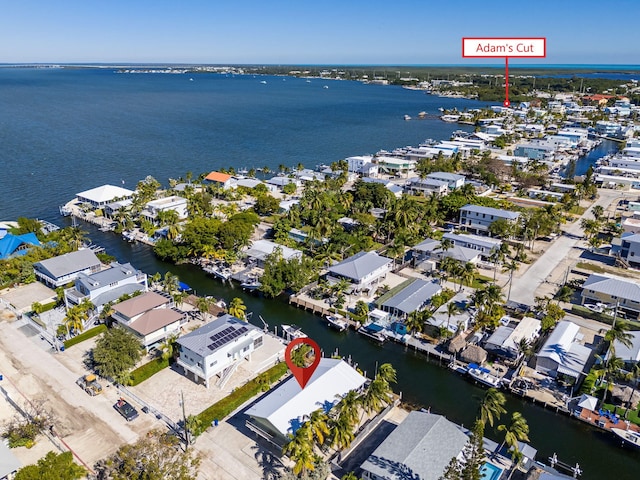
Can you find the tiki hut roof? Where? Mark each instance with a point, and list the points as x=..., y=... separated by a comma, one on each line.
x=473, y=354
x=457, y=344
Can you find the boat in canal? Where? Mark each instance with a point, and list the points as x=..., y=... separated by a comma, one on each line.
x=223, y=273
x=628, y=436
x=291, y=332
x=484, y=376
x=251, y=284
x=373, y=332
x=337, y=322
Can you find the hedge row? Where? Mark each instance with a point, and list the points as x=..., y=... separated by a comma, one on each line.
x=92, y=332
x=147, y=370
x=224, y=407
x=601, y=317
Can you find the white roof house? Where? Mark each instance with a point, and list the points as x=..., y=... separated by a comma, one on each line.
x=282, y=410
x=261, y=249
x=100, y=196
x=419, y=448
x=453, y=180
x=218, y=346
x=63, y=269
x=362, y=269
x=562, y=354
x=9, y=463
x=505, y=339
x=485, y=245
x=174, y=203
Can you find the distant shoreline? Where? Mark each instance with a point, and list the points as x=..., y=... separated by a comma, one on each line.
x=436, y=68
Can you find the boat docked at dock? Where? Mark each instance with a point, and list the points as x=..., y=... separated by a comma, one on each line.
x=484, y=376
x=629, y=437
x=251, y=284
x=374, y=332
x=291, y=332
x=223, y=273
x=337, y=322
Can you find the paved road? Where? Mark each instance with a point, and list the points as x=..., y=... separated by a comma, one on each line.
x=89, y=425
x=557, y=256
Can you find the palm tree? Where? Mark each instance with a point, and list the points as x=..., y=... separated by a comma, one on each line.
x=342, y=432
x=74, y=320
x=318, y=425
x=168, y=348
x=414, y=322
x=632, y=377
x=510, y=267
x=375, y=396
x=517, y=430
x=611, y=369
x=468, y=274
x=238, y=309
x=619, y=332
x=491, y=406
x=348, y=407
x=203, y=304
x=387, y=373
x=170, y=282
x=300, y=450
x=452, y=309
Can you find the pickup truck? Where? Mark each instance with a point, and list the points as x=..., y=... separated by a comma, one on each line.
x=125, y=409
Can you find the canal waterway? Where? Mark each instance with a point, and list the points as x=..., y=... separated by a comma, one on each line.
x=422, y=381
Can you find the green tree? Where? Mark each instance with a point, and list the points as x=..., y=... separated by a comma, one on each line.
x=237, y=308
x=300, y=450
x=492, y=406
x=516, y=431
x=156, y=456
x=414, y=322
x=618, y=333
x=52, y=467
x=115, y=353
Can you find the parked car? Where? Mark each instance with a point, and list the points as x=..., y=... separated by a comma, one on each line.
x=125, y=409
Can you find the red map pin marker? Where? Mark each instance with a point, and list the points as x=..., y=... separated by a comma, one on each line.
x=302, y=374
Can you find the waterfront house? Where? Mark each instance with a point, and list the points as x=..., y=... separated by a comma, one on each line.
x=618, y=292
x=630, y=355
x=505, y=340
x=283, y=410
x=151, y=317
x=484, y=245
x=100, y=196
x=478, y=218
x=362, y=165
x=106, y=285
x=608, y=129
x=261, y=249
x=16, y=245
x=217, y=348
x=562, y=355
x=459, y=321
x=389, y=185
x=9, y=463
x=173, y=203
x=221, y=180
x=58, y=271
x=534, y=151
x=280, y=182
x=396, y=166
x=420, y=447
x=414, y=297
x=363, y=270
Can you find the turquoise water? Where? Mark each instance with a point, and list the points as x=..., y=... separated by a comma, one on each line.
x=490, y=472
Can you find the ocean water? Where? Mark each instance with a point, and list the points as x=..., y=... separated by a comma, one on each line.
x=63, y=131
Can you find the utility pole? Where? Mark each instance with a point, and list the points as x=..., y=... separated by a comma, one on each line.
x=184, y=419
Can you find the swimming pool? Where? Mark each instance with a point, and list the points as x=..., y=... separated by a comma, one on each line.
x=490, y=472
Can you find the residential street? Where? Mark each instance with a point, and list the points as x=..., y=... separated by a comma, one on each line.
x=560, y=255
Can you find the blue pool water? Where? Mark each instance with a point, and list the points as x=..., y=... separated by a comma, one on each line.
x=490, y=472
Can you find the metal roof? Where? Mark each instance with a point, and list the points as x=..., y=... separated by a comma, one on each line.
x=420, y=447
x=561, y=348
x=414, y=296
x=68, y=263
x=116, y=273
x=286, y=405
x=629, y=354
x=359, y=266
x=487, y=242
x=496, y=212
x=210, y=337
x=8, y=461
x=613, y=286
x=260, y=249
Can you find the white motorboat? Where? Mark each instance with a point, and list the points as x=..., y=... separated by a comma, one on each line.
x=375, y=335
x=251, y=284
x=291, y=332
x=337, y=321
x=483, y=376
x=628, y=436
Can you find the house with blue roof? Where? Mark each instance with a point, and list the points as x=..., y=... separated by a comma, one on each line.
x=15, y=245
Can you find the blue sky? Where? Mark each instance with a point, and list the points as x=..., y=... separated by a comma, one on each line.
x=306, y=32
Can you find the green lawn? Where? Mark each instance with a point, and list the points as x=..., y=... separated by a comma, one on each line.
x=147, y=370
x=92, y=332
x=633, y=416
